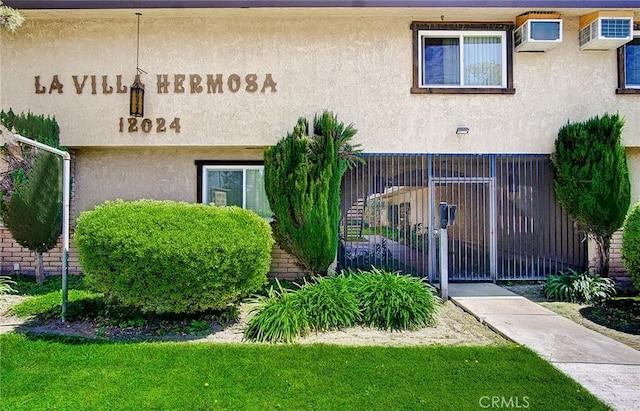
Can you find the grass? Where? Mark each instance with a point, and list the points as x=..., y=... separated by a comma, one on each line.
x=81, y=303
x=44, y=302
x=78, y=374
x=27, y=285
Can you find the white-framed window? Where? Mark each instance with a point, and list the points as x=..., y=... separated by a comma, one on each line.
x=463, y=58
x=241, y=185
x=629, y=65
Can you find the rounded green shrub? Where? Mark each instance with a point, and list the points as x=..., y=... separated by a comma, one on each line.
x=168, y=257
x=631, y=245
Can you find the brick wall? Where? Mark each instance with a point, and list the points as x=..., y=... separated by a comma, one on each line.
x=12, y=253
x=283, y=265
x=616, y=266
x=617, y=270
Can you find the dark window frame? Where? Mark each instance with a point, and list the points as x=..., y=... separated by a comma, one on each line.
x=622, y=75
x=202, y=163
x=507, y=27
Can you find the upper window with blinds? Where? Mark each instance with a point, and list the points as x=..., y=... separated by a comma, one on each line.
x=462, y=58
x=629, y=65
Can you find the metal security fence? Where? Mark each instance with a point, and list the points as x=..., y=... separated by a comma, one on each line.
x=509, y=225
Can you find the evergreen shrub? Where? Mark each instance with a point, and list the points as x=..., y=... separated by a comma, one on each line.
x=303, y=173
x=631, y=245
x=591, y=178
x=168, y=257
x=31, y=187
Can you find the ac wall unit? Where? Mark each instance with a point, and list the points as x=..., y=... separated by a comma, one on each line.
x=606, y=30
x=538, y=35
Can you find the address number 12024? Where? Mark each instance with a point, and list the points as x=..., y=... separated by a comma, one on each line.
x=134, y=125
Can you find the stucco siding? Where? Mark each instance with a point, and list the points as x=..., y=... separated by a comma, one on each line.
x=157, y=173
x=358, y=66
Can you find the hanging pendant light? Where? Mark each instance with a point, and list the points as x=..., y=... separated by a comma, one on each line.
x=136, y=100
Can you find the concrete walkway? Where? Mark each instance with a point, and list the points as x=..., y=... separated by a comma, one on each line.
x=608, y=369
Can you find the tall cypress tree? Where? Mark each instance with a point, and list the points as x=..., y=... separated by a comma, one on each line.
x=303, y=174
x=31, y=189
x=592, y=178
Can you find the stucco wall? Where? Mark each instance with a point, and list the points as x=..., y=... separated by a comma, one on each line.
x=356, y=62
x=134, y=173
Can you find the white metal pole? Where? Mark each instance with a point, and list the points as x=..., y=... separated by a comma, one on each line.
x=66, y=181
x=66, y=197
x=444, y=264
x=443, y=211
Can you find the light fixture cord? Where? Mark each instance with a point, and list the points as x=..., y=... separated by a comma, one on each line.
x=138, y=46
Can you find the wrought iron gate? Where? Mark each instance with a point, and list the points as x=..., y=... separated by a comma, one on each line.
x=509, y=224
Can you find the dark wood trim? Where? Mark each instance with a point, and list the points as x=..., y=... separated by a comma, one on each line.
x=628, y=91
x=416, y=44
x=622, y=75
x=621, y=69
x=509, y=30
x=507, y=27
x=201, y=163
x=461, y=90
x=462, y=25
x=229, y=162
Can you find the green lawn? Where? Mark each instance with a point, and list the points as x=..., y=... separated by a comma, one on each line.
x=38, y=374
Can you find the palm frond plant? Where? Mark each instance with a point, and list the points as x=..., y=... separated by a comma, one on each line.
x=574, y=287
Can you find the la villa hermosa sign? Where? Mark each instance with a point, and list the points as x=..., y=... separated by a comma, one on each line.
x=165, y=84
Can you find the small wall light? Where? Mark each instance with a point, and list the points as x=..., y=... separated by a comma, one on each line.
x=136, y=105
x=462, y=130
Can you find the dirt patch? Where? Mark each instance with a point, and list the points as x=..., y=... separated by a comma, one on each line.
x=9, y=322
x=455, y=327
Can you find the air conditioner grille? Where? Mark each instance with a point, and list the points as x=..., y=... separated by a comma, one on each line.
x=585, y=33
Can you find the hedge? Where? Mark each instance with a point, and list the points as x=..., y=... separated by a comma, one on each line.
x=631, y=245
x=168, y=257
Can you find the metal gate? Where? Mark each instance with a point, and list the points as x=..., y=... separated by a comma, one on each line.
x=509, y=224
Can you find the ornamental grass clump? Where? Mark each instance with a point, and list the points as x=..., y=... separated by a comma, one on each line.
x=385, y=300
x=391, y=301
x=575, y=287
x=330, y=303
x=277, y=317
x=5, y=285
